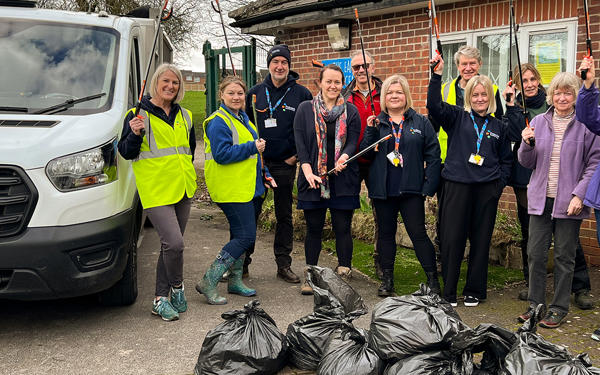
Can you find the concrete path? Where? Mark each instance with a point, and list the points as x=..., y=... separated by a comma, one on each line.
x=79, y=337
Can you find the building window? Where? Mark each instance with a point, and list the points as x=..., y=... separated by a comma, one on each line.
x=188, y=78
x=196, y=79
x=551, y=46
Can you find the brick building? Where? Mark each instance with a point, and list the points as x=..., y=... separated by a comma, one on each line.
x=396, y=32
x=194, y=81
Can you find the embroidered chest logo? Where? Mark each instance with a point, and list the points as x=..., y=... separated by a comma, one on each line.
x=415, y=131
x=286, y=107
x=491, y=134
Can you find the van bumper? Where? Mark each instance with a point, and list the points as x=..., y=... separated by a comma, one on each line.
x=65, y=261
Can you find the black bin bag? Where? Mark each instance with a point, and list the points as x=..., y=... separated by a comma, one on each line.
x=347, y=352
x=336, y=305
x=332, y=293
x=493, y=341
x=532, y=354
x=247, y=342
x=440, y=362
x=407, y=325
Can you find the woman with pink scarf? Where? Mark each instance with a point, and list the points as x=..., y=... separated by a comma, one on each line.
x=326, y=130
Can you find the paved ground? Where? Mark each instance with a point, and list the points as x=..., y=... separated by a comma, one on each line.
x=79, y=337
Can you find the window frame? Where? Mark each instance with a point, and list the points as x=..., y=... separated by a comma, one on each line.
x=568, y=25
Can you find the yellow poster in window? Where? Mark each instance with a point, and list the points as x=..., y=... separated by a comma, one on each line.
x=548, y=58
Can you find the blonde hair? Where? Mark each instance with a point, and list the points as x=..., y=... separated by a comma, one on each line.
x=563, y=80
x=232, y=80
x=393, y=79
x=489, y=89
x=156, y=76
x=467, y=51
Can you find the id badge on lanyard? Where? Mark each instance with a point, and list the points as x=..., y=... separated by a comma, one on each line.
x=476, y=158
x=271, y=122
x=395, y=157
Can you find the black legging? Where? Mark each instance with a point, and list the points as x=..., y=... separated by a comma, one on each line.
x=412, y=209
x=341, y=221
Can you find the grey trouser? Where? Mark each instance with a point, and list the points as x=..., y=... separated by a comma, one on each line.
x=566, y=233
x=169, y=222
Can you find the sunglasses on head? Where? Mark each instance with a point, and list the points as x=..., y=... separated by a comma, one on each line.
x=357, y=67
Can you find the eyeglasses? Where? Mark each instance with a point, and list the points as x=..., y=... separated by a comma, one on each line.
x=356, y=68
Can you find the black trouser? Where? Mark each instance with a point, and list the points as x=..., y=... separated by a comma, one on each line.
x=284, y=175
x=523, y=216
x=468, y=210
x=439, y=197
x=412, y=209
x=363, y=175
x=341, y=221
x=581, y=276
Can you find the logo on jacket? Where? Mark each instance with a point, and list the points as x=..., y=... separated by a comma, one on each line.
x=492, y=134
x=413, y=131
x=286, y=107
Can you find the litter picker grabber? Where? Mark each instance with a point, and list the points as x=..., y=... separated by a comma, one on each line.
x=162, y=17
x=525, y=113
x=362, y=48
x=217, y=9
x=437, y=35
x=260, y=155
x=356, y=156
x=510, y=38
x=588, y=40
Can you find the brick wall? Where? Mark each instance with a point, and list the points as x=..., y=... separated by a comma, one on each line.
x=399, y=42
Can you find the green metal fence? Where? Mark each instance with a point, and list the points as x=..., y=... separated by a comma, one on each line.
x=215, y=63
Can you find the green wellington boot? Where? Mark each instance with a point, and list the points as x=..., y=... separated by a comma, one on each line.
x=208, y=285
x=234, y=282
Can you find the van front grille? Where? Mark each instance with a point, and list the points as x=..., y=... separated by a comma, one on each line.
x=18, y=197
x=28, y=123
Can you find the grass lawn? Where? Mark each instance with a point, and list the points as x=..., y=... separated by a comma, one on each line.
x=195, y=101
x=408, y=272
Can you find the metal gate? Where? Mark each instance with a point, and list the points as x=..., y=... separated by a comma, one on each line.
x=216, y=68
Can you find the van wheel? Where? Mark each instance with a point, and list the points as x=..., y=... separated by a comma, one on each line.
x=125, y=291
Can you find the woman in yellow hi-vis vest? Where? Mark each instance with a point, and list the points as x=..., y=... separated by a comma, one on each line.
x=165, y=178
x=236, y=181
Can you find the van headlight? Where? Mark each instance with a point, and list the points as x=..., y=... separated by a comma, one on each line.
x=89, y=168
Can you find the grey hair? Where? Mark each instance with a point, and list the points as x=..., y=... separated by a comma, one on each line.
x=563, y=80
x=359, y=53
x=467, y=51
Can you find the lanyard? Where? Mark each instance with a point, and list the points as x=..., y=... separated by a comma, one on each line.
x=274, y=107
x=479, y=134
x=397, y=134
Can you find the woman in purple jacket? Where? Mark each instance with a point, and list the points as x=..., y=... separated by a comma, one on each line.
x=563, y=160
x=588, y=113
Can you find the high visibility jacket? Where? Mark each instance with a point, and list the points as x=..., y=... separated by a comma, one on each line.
x=163, y=170
x=449, y=96
x=233, y=182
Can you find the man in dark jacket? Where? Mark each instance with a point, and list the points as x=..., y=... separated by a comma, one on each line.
x=277, y=98
x=357, y=93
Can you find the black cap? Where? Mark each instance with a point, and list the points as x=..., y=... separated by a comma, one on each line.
x=279, y=50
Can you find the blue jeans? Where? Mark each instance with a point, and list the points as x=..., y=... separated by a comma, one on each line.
x=242, y=225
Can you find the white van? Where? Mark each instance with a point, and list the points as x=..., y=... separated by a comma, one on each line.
x=70, y=217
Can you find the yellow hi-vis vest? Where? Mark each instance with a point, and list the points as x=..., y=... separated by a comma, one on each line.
x=163, y=170
x=449, y=96
x=233, y=182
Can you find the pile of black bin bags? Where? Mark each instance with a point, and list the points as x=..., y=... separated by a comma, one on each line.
x=413, y=334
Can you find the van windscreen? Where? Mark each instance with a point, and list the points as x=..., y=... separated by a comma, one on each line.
x=45, y=64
